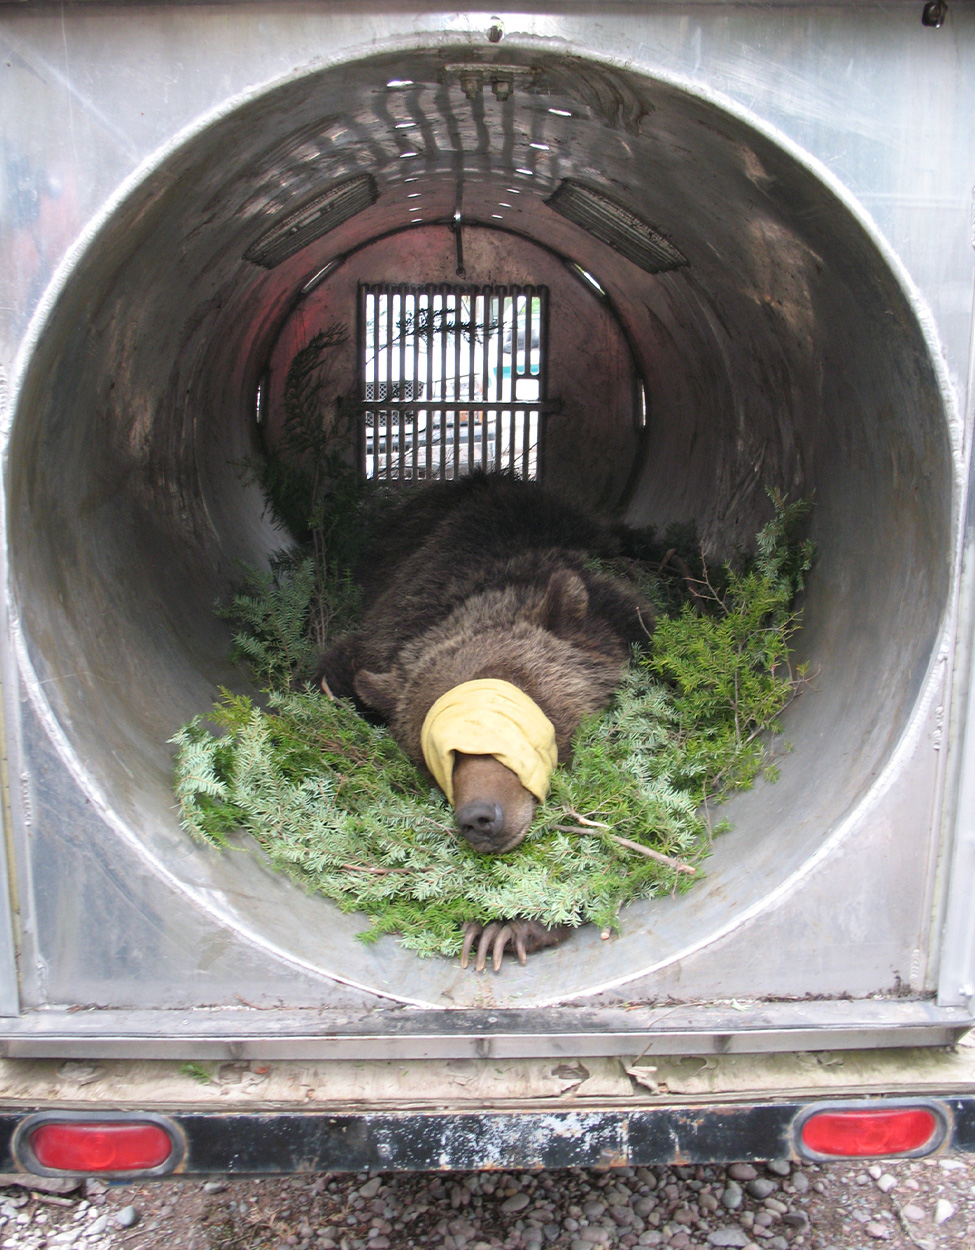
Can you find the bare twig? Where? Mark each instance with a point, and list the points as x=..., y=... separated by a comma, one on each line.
x=682, y=567
x=584, y=820
x=600, y=831
x=735, y=707
x=643, y=624
x=382, y=872
x=666, y=560
x=677, y=864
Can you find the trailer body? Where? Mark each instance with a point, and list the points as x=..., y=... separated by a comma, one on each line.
x=754, y=229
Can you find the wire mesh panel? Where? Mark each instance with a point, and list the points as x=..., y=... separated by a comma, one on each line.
x=451, y=379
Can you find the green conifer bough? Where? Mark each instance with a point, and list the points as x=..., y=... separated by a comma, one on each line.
x=334, y=802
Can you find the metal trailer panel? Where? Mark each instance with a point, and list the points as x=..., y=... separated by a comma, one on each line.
x=147, y=146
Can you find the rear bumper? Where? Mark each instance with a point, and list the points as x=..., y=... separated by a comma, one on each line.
x=257, y=1118
x=282, y=1142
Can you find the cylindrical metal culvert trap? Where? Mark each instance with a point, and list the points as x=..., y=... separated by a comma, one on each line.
x=785, y=350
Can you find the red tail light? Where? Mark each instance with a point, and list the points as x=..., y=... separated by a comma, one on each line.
x=101, y=1146
x=859, y=1132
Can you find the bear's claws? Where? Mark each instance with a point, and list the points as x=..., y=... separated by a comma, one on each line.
x=525, y=936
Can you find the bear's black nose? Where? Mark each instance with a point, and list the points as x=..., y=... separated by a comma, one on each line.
x=481, y=823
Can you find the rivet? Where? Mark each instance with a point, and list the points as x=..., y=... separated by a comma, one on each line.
x=934, y=13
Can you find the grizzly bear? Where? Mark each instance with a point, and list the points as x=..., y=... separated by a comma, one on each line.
x=487, y=636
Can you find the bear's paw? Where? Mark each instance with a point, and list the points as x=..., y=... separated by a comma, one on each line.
x=525, y=938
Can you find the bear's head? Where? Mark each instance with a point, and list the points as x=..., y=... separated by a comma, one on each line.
x=489, y=699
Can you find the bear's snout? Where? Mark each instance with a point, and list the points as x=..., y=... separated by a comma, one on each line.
x=493, y=809
x=481, y=822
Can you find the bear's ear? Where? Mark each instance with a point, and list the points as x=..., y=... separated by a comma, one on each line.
x=377, y=690
x=566, y=602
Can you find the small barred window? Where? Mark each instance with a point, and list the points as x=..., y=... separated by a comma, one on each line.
x=451, y=379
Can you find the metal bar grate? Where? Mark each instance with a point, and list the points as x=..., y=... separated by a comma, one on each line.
x=451, y=379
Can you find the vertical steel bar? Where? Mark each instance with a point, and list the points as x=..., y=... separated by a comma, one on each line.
x=369, y=367
x=378, y=312
x=512, y=390
x=428, y=303
x=388, y=360
x=417, y=386
x=536, y=372
x=457, y=313
x=471, y=339
x=491, y=386
x=404, y=384
x=543, y=390
x=485, y=330
x=362, y=349
x=444, y=392
x=518, y=370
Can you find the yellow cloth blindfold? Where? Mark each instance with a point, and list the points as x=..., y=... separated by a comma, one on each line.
x=490, y=717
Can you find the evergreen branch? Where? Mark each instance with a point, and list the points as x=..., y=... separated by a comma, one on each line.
x=334, y=803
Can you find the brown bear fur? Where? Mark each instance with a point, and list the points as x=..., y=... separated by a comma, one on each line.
x=487, y=577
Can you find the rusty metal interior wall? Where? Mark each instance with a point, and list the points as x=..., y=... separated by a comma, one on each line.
x=791, y=351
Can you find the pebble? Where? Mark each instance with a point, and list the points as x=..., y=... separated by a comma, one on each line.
x=741, y=1171
x=732, y=1197
x=729, y=1237
x=694, y=1208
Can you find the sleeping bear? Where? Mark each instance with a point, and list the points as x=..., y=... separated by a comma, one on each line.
x=487, y=636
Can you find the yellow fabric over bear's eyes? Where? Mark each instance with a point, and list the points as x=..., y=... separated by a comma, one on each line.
x=490, y=717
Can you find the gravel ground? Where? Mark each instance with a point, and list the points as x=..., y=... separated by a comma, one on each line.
x=923, y=1204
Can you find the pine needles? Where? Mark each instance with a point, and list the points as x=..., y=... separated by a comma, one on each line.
x=334, y=802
